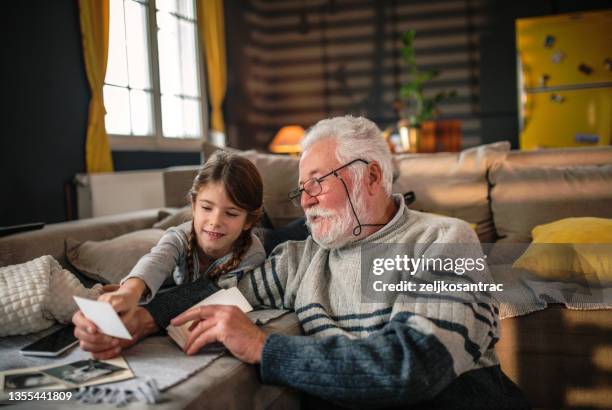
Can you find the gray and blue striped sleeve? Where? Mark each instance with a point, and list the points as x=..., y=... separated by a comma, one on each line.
x=266, y=286
x=396, y=365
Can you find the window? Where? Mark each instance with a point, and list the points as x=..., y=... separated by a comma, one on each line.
x=153, y=84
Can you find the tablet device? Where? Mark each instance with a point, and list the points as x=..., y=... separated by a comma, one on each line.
x=52, y=345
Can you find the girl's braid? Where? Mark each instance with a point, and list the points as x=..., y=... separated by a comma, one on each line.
x=243, y=243
x=191, y=244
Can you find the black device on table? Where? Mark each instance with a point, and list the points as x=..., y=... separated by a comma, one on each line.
x=53, y=344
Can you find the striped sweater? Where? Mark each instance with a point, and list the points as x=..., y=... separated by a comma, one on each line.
x=410, y=350
x=366, y=353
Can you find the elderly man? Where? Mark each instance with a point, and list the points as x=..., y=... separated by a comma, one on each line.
x=362, y=354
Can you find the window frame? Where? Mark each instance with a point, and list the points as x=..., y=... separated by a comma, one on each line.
x=157, y=141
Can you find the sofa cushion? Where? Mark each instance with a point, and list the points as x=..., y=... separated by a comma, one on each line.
x=280, y=174
x=23, y=290
x=453, y=184
x=524, y=196
x=555, y=157
x=50, y=240
x=111, y=260
x=175, y=217
x=36, y=293
x=177, y=182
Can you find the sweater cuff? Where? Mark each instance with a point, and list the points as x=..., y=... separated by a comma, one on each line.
x=275, y=358
x=168, y=305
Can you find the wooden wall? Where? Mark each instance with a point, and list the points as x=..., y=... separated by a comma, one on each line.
x=304, y=60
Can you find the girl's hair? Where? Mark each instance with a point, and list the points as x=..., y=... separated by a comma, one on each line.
x=243, y=185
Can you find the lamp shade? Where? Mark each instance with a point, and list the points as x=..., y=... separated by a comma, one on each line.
x=287, y=140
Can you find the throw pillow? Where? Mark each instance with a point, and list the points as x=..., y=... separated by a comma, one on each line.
x=36, y=293
x=174, y=218
x=571, y=248
x=111, y=260
x=280, y=175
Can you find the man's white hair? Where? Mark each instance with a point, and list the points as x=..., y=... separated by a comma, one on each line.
x=356, y=137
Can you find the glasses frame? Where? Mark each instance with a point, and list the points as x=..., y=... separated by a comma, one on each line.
x=296, y=194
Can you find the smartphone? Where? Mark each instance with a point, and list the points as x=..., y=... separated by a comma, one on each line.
x=52, y=345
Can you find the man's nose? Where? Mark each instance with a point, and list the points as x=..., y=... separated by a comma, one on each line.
x=306, y=201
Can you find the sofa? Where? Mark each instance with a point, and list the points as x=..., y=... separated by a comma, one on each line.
x=561, y=358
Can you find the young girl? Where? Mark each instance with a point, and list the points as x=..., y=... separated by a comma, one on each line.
x=226, y=200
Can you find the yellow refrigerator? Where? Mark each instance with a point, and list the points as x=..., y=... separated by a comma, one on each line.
x=564, y=65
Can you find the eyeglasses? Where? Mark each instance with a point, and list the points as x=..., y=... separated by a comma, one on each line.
x=313, y=186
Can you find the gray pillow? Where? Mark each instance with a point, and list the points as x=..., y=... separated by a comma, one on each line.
x=280, y=175
x=111, y=260
x=174, y=218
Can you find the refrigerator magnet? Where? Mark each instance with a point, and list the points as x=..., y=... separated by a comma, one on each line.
x=585, y=69
x=549, y=41
x=557, y=57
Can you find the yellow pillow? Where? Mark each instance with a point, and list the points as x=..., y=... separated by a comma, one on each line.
x=572, y=248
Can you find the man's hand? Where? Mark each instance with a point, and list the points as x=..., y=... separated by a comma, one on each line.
x=101, y=346
x=225, y=324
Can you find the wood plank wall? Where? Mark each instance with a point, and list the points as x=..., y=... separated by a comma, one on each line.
x=304, y=60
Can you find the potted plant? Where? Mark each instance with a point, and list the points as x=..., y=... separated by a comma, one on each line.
x=415, y=109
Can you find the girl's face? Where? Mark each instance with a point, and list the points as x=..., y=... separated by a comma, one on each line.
x=217, y=221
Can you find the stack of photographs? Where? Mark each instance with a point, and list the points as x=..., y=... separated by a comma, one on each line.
x=64, y=377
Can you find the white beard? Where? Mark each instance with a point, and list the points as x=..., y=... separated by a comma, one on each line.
x=342, y=223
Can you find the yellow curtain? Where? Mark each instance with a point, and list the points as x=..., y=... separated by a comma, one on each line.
x=211, y=26
x=94, y=16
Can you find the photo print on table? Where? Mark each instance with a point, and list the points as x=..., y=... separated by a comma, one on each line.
x=83, y=371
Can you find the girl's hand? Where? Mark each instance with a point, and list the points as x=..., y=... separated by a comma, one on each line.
x=110, y=288
x=124, y=300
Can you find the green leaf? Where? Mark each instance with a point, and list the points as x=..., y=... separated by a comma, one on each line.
x=427, y=76
x=410, y=90
x=409, y=38
x=412, y=87
x=428, y=107
x=418, y=107
x=438, y=97
x=408, y=55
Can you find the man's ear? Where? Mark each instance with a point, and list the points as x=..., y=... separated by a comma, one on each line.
x=374, y=177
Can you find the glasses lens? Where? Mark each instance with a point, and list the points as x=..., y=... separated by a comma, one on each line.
x=295, y=196
x=312, y=187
